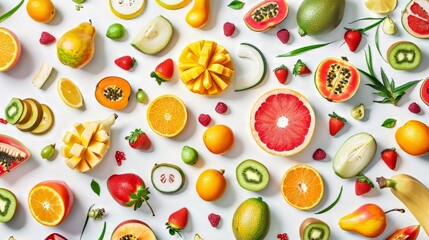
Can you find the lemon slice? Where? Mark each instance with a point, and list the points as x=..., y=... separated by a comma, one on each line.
x=69, y=93
x=381, y=6
x=172, y=4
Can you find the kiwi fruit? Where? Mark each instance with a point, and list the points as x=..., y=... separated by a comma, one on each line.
x=404, y=55
x=314, y=229
x=8, y=205
x=47, y=120
x=13, y=110
x=35, y=118
x=252, y=175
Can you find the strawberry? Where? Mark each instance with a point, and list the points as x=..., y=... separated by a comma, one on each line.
x=139, y=140
x=300, y=68
x=353, y=38
x=164, y=71
x=177, y=221
x=283, y=35
x=55, y=236
x=214, y=219
x=281, y=73
x=362, y=184
x=336, y=123
x=390, y=156
x=46, y=38
x=126, y=62
x=228, y=29
x=128, y=190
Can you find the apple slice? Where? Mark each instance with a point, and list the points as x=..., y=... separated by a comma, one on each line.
x=36, y=116
x=47, y=121
x=154, y=36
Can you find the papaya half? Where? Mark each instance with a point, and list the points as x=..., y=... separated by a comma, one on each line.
x=113, y=92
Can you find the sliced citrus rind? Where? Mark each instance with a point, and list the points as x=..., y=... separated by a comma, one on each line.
x=167, y=115
x=69, y=93
x=302, y=187
x=46, y=205
x=381, y=6
x=10, y=49
x=206, y=68
x=282, y=122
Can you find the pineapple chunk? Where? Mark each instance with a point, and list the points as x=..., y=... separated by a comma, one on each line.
x=207, y=80
x=92, y=159
x=83, y=166
x=198, y=85
x=77, y=150
x=213, y=90
x=216, y=68
x=78, y=129
x=226, y=60
x=192, y=57
x=87, y=135
x=98, y=148
x=73, y=162
x=70, y=138
x=101, y=136
x=219, y=81
x=227, y=72
x=185, y=66
x=217, y=58
x=65, y=151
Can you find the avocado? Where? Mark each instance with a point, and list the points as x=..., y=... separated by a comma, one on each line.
x=251, y=220
x=316, y=17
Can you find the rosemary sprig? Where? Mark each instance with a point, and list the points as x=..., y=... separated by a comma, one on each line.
x=386, y=89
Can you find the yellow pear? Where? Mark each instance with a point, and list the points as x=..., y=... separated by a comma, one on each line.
x=76, y=47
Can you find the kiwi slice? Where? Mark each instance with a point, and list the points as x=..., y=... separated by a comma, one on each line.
x=252, y=175
x=404, y=55
x=314, y=229
x=26, y=113
x=13, y=110
x=8, y=205
x=35, y=118
x=47, y=120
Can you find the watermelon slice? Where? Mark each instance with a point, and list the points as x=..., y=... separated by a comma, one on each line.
x=415, y=18
x=282, y=122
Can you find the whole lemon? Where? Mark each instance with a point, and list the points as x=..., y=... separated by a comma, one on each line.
x=413, y=138
x=218, y=138
x=41, y=10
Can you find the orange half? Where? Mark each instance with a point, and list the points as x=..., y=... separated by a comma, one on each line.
x=302, y=187
x=10, y=49
x=167, y=115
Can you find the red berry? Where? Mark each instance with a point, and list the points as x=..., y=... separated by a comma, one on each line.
x=46, y=38
x=214, y=219
x=204, y=119
x=319, y=154
x=414, y=108
x=228, y=29
x=4, y=121
x=221, y=107
x=119, y=156
x=283, y=35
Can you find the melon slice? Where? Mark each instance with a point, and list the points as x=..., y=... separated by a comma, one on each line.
x=424, y=91
x=415, y=18
x=282, y=122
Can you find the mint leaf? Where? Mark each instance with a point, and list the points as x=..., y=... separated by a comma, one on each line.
x=236, y=4
x=95, y=187
x=389, y=123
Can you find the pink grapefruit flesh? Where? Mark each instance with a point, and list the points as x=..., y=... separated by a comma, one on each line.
x=415, y=18
x=282, y=122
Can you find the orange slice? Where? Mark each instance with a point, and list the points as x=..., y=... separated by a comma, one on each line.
x=10, y=49
x=167, y=115
x=69, y=93
x=50, y=202
x=302, y=187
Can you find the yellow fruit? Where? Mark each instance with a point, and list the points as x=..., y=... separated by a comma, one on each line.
x=206, y=68
x=10, y=49
x=167, y=115
x=69, y=93
x=127, y=9
x=211, y=185
x=172, y=4
x=381, y=6
x=413, y=138
x=41, y=10
x=218, y=138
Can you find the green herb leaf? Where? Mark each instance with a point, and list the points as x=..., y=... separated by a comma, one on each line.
x=332, y=204
x=95, y=187
x=236, y=4
x=363, y=30
x=406, y=85
x=11, y=12
x=303, y=49
x=86, y=221
x=103, y=232
x=389, y=123
x=377, y=45
x=367, y=18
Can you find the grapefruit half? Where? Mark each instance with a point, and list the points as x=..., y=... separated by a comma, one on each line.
x=282, y=122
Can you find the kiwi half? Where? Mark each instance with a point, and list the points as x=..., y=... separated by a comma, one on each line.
x=404, y=55
x=314, y=229
x=252, y=175
x=13, y=110
x=8, y=205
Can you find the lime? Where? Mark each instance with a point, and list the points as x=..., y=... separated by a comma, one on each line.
x=116, y=31
x=189, y=155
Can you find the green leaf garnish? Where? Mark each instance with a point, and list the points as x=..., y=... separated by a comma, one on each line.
x=103, y=232
x=332, y=204
x=389, y=123
x=138, y=198
x=95, y=187
x=367, y=18
x=303, y=49
x=11, y=12
x=236, y=4
x=363, y=30
x=386, y=89
x=86, y=221
x=377, y=45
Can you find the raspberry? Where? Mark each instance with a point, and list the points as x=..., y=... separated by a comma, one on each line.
x=3, y=121
x=319, y=154
x=46, y=38
x=119, y=156
x=414, y=108
x=214, y=219
x=283, y=35
x=228, y=29
x=221, y=108
x=204, y=119
x=282, y=236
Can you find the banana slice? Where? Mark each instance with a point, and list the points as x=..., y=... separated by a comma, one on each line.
x=42, y=75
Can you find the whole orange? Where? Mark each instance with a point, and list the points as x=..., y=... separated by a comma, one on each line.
x=211, y=185
x=41, y=10
x=218, y=138
x=413, y=138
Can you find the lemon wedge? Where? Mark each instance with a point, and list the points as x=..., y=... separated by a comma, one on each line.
x=69, y=93
x=381, y=6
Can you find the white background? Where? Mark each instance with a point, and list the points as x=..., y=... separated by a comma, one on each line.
x=284, y=218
